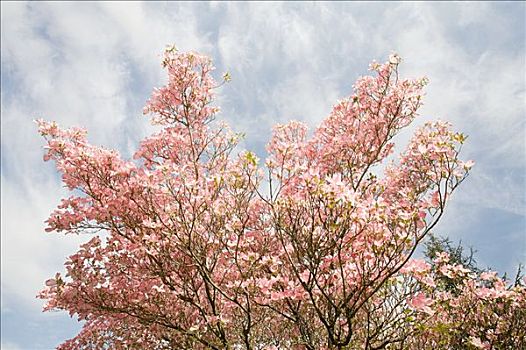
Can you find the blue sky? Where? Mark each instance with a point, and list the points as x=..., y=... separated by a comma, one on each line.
x=95, y=64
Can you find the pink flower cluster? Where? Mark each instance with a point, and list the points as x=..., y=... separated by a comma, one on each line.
x=190, y=252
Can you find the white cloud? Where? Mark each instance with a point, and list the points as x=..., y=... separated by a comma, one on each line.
x=28, y=254
x=9, y=346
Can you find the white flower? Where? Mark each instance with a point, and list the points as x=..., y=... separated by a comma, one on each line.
x=394, y=58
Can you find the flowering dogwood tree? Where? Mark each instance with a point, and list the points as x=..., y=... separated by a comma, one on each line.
x=189, y=251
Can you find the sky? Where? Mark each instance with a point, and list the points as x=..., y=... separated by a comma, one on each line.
x=95, y=64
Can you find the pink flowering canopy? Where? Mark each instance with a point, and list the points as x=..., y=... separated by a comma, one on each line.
x=196, y=247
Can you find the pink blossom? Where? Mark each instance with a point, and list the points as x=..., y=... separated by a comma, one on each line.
x=475, y=341
x=204, y=247
x=422, y=303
